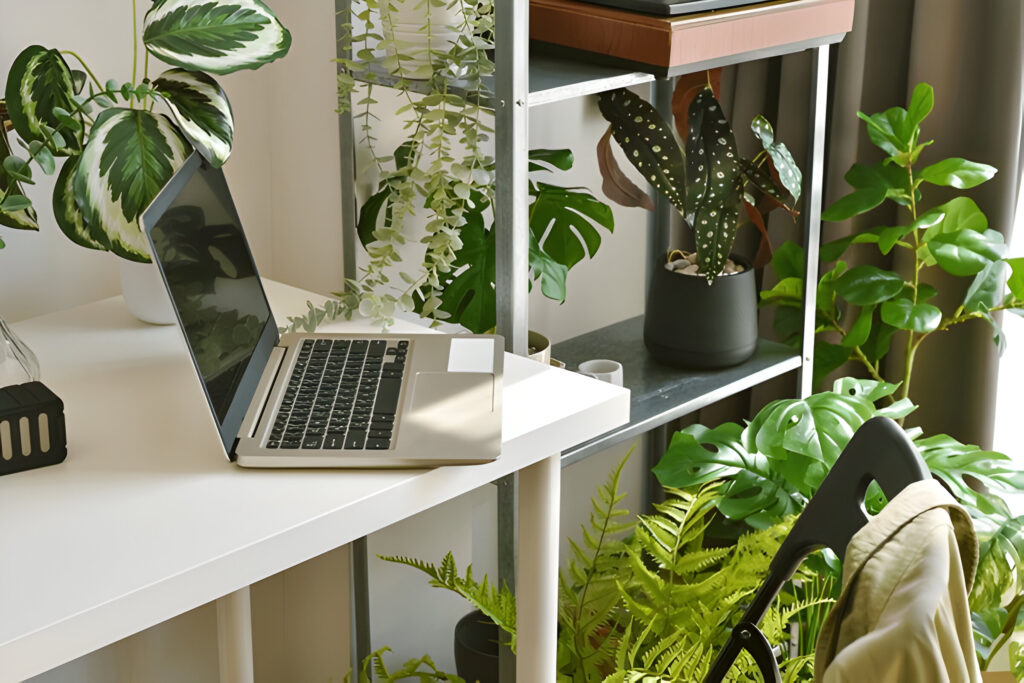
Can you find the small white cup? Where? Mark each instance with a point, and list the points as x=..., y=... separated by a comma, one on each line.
x=603, y=369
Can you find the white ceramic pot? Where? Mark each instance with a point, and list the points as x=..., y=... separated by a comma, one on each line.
x=145, y=294
x=404, y=25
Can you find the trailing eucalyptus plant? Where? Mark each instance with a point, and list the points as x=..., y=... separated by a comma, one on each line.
x=645, y=600
x=706, y=180
x=863, y=307
x=118, y=151
x=770, y=467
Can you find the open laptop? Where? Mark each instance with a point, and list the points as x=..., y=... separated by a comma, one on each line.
x=312, y=400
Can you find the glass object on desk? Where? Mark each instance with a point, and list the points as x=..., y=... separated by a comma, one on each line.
x=17, y=362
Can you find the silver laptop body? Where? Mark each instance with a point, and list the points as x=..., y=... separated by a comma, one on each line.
x=405, y=400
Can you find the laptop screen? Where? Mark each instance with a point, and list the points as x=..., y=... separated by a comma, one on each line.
x=200, y=247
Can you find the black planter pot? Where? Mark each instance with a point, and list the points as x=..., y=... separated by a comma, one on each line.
x=476, y=648
x=690, y=324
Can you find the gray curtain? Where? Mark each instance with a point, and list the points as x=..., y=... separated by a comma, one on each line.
x=971, y=52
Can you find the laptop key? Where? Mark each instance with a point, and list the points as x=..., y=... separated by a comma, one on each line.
x=379, y=433
x=378, y=444
x=387, y=396
x=313, y=441
x=334, y=440
x=376, y=347
x=291, y=443
x=355, y=439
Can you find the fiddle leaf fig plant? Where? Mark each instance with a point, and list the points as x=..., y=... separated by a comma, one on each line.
x=119, y=151
x=860, y=309
x=705, y=179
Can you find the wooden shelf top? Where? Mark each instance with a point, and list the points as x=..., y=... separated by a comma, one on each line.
x=673, y=45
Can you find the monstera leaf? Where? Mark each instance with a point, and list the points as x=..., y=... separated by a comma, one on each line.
x=469, y=296
x=201, y=109
x=39, y=83
x=219, y=37
x=130, y=156
x=712, y=183
x=563, y=221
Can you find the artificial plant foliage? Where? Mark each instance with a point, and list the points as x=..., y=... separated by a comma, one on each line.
x=121, y=151
x=16, y=210
x=421, y=669
x=646, y=599
x=709, y=184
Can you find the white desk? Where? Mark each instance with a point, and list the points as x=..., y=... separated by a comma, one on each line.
x=146, y=519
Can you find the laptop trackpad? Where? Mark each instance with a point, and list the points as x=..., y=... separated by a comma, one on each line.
x=453, y=411
x=452, y=395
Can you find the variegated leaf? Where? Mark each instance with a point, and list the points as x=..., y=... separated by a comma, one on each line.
x=66, y=211
x=39, y=81
x=202, y=111
x=219, y=37
x=785, y=165
x=712, y=191
x=21, y=219
x=130, y=156
x=647, y=141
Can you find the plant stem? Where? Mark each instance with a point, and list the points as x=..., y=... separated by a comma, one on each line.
x=135, y=44
x=84, y=66
x=908, y=356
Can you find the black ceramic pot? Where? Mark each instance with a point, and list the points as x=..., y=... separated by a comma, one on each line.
x=690, y=324
x=476, y=648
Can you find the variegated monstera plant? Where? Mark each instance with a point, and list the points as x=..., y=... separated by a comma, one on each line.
x=119, y=150
x=706, y=179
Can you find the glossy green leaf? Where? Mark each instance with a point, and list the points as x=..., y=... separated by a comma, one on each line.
x=904, y=314
x=1016, y=280
x=966, y=252
x=65, y=210
x=785, y=165
x=789, y=261
x=201, y=109
x=130, y=156
x=986, y=291
x=921, y=102
x=958, y=173
x=788, y=325
x=891, y=130
x=1000, y=558
x=548, y=159
x=865, y=285
x=868, y=389
x=787, y=291
x=369, y=215
x=17, y=169
x=879, y=339
x=39, y=81
x=469, y=296
x=857, y=202
x=712, y=183
x=861, y=328
x=826, y=295
x=564, y=222
x=961, y=213
x=551, y=273
x=828, y=358
x=217, y=37
x=11, y=214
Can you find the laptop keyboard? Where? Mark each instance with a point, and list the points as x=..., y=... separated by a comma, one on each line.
x=343, y=394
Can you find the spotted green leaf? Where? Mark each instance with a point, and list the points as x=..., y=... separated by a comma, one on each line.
x=648, y=142
x=130, y=156
x=201, y=110
x=69, y=217
x=218, y=37
x=11, y=215
x=40, y=81
x=712, y=183
x=785, y=165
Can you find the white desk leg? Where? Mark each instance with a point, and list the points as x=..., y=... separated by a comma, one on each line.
x=537, y=572
x=234, y=637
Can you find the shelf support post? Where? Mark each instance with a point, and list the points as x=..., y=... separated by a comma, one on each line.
x=234, y=637
x=359, y=594
x=812, y=210
x=511, y=219
x=347, y=145
x=508, y=535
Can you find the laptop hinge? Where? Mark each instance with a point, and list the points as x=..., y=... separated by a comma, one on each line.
x=262, y=395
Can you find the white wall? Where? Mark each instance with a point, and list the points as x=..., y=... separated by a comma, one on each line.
x=285, y=178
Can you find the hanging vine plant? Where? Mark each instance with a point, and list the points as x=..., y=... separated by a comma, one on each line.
x=444, y=173
x=119, y=152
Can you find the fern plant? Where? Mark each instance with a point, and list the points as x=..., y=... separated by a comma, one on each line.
x=422, y=670
x=646, y=600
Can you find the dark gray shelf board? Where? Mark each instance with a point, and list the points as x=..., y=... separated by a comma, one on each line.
x=659, y=393
x=553, y=78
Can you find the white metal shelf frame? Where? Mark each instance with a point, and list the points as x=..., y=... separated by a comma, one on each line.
x=520, y=82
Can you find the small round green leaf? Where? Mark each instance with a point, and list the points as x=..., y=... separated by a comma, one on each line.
x=866, y=285
x=966, y=252
x=958, y=173
x=904, y=314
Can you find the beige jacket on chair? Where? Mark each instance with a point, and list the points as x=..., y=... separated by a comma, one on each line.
x=903, y=616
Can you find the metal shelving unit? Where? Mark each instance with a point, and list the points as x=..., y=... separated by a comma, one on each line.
x=659, y=394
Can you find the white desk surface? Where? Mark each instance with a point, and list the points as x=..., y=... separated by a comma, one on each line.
x=146, y=519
